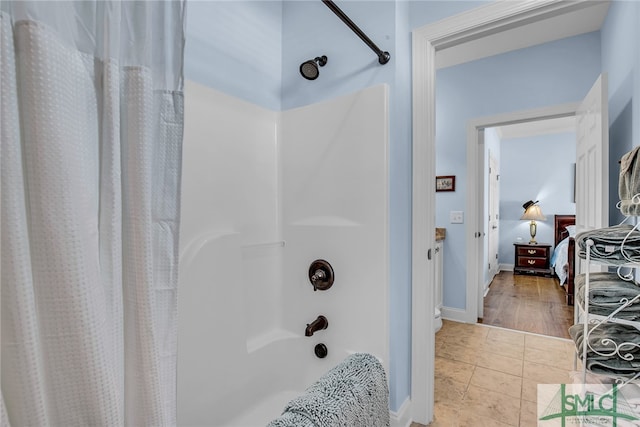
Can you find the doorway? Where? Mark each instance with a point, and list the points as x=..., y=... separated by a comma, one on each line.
x=477, y=265
x=484, y=21
x=538, y=158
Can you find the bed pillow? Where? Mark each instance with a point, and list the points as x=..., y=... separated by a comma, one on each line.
x=571, y=229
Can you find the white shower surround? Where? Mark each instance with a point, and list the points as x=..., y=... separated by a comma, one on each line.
x=264, y=194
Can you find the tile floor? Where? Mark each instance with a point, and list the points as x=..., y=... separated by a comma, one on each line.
x=488, y=376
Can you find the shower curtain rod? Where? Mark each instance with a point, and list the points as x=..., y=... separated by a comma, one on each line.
x=383, y=57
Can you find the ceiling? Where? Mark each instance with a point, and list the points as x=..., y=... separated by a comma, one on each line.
x=583, y=20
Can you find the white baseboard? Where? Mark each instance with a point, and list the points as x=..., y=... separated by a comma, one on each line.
x=457, y=315
x=506, y=267
x=402, y=418
x=486, y=287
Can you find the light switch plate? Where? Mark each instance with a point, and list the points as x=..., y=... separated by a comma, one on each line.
x=456, y=217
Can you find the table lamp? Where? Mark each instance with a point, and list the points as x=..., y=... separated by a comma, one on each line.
x=532, y=213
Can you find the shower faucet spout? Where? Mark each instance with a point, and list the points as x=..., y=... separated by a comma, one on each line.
x=320, y=323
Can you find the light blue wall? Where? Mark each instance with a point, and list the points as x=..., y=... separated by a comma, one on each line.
x=311, y=29
x=534, y=168
x=540, y=76
x=400, y=214
x=236, y=47
x=621, y=61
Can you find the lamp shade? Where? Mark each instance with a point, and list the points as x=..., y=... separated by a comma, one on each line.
x=533, y=213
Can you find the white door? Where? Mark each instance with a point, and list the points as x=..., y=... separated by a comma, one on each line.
x=592, y=159
x=493, y=216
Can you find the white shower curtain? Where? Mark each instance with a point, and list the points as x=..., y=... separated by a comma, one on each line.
x=91, y=126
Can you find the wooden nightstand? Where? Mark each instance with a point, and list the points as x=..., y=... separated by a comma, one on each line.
x=532, y=259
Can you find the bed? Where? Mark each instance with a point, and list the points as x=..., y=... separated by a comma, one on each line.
x=563, y=258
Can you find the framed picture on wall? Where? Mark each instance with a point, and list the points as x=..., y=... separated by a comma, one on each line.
x=446, y=183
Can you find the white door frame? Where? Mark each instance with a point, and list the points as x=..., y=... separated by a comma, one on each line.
x=467, y=26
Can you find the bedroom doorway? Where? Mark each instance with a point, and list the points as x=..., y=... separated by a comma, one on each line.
x=591, y=179
x=479, y=141
x=528, y=303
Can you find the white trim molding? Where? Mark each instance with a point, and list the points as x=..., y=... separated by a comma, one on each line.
x=456, y=314
x=506, y=267
x=402, y=418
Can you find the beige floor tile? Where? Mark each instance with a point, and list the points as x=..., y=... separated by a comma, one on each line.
x=544, y=374
x=529, y=390
x=546, y=343
x=489, y=376
x=554, y=358
x=452, y=328
x=444, y=416
x=463, y=329
x=515, y=351
x=506, y=336
x=466, y=339
x=508, y=365
x=449, y=392
x=569, y=346
x=492, y=404
x=457, y=352
x=509, y=385
x=470, y=419
x=452, y=369
x=528, y=414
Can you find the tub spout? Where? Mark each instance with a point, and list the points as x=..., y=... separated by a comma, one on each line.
x=320, y=323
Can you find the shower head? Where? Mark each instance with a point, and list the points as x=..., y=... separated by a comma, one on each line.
x=309, y=69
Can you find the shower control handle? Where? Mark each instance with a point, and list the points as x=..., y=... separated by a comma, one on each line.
x=321, y=275
x=318, y=275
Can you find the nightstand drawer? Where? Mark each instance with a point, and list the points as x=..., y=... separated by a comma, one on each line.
x=532, y=252
x=532, y=262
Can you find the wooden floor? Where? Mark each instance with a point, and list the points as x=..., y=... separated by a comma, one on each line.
x=528, y=303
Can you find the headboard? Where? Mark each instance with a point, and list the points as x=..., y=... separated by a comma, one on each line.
x=559, y=223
